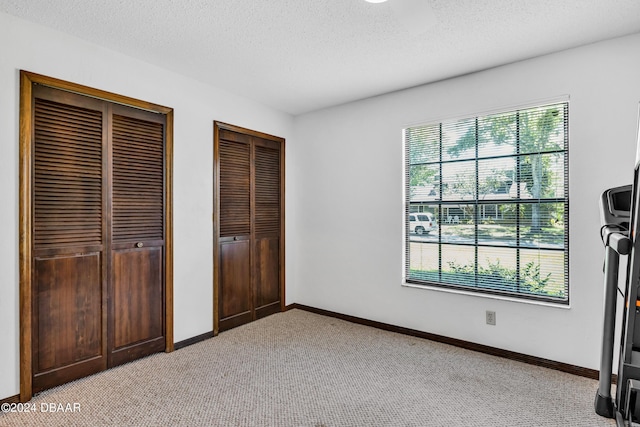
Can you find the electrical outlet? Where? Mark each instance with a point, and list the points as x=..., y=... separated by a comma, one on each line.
x=491, y=317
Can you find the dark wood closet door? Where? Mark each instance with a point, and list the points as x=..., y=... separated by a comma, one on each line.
x=98, y=236
x=68, y=287
x=234, y=302
x=137, y=271
x=267, y=227
x=250, y=222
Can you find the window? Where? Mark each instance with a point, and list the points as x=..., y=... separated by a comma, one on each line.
x=493, y=191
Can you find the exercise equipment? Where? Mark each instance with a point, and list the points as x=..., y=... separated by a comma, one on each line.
x=619, y=209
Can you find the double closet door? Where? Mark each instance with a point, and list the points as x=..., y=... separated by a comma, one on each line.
x=249, y=237
x=98, y=235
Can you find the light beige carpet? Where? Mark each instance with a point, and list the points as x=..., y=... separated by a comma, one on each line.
x=303, y=369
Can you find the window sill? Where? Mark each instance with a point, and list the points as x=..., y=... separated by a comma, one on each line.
x=489, y=296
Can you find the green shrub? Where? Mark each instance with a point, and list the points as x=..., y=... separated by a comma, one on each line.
x=493, y=275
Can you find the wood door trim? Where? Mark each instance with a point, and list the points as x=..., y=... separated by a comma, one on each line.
x=25, y=226
x=93, y=92
x=168, y=230
x=282, y=228
x=217, y=126
x=216, y=227
x=26, y=136
x=250, y=132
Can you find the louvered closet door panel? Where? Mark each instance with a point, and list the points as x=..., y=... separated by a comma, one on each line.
x=138, y=235
x=267, y=188
x=267, y=227
x=138, y=180
x=235, y=200
x=67, y=176
x=234, y=302
x=68, y=229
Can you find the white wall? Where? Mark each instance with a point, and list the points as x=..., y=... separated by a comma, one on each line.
x=38, y=49
x=344, y=188
x=349, y=199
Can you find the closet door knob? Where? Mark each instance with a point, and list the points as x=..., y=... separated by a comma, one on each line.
x=139, y=245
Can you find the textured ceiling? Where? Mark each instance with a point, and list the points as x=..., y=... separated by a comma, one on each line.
x=302, y=55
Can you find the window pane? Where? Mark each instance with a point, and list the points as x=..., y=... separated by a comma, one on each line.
x=459, y=140
x=423, y=261
x=497, y=269
x=497, y=224
x=423, y=222
x=497, y=135
x=459, y=180
x=496, y=178
x=542, y=129
x=423, y=144
x=542, y=176
x=424, y=183
x=542, y=272
x=458, y=265
x=542, y=225
x=457, y=224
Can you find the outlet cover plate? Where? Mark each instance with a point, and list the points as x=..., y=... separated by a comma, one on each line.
x=491, y=318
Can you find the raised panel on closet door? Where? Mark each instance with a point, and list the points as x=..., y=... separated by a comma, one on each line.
x=235, y=283
x=137, y=214
x=267, y=276
x=137, y=286
x=68, y=232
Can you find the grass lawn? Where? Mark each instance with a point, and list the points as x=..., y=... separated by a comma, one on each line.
x=553, y=235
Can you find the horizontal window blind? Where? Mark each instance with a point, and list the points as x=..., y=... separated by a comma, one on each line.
x=496, y=187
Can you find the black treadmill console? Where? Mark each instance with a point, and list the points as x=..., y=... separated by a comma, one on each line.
x=616, y=207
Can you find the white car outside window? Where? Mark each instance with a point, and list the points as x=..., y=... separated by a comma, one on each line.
x=422, y=223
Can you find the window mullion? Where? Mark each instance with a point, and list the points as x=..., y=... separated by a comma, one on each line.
x=440, y=188
x=407, y=196
x=476, y=213
x=518, y=205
